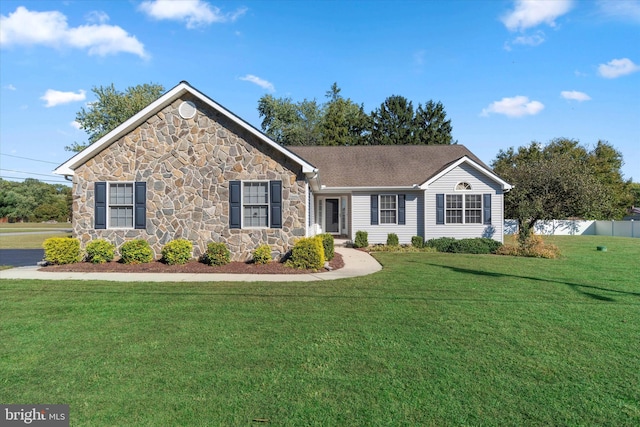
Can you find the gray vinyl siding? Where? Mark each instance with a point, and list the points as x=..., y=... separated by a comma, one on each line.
x=480, y=184
x=361, y=218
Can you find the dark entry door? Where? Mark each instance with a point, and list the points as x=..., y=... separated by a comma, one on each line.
x=332, y=219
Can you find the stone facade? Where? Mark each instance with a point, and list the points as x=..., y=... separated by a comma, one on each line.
x=187, y=165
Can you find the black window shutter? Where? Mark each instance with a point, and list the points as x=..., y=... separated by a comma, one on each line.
x=374, y=209
x=235, y=204
x=439, y=208
x=486, y=207
x=140, y=207
x=275, y=207
x=100, y=207
x=402, y=216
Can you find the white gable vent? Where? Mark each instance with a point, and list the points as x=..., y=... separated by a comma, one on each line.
x=187, y=110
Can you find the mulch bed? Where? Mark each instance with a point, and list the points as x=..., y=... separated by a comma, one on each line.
x=190, y=267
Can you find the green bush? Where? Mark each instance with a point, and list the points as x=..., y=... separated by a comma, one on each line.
x=442, y=244
x=417, y=242
x=136, y=251
x=100, y=251
x=392, y=239
x=482, y=245
x=217, y=254
x=308, y=253
x=62, y=250
x=362, y=239
x=328, y=245
x=262, y=254
x=177, y=252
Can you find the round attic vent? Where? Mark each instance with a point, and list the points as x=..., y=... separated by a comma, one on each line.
x=187, y=109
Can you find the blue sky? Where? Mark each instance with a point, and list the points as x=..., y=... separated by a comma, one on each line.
x=508, y=72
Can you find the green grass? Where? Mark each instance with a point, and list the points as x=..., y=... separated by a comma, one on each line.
x=30, y=241
x=433, y=339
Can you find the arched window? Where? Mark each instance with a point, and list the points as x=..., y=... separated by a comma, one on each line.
x=463, y=186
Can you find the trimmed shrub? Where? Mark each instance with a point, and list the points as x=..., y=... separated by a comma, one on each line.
x=392, y=239
x=328, y=245
x=62, y=250
x=307, y=253
x=136, y=251
x=262, y=254
x=100, y=251
x=479, y=245
x=417, y=242
x=442, y=244
x=217, y=254
x=362, y=239
x=177, y=252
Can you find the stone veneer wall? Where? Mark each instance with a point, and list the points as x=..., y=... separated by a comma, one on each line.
x=187, y=165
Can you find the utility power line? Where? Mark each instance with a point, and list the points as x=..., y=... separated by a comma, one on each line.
x=27, y=158
x=28, y=173
x=43, y=180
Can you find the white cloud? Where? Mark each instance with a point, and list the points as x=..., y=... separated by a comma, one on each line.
x=531, y=13
x=617, y=68
x=195, y=13
x=97, y=17
x=517, y=106
x=533, y=40
x=626, y=10
x=10, y=87
x=24, y=27
x=574, y=95
x=55, y=97
x=260, y=82
x=75, y=125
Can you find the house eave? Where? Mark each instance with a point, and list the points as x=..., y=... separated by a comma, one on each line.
x=504, y=185
x=136, y=120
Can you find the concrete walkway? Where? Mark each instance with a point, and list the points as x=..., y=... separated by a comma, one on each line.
x=356, y=263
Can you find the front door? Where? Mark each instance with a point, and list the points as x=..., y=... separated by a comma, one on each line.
x=332, y=215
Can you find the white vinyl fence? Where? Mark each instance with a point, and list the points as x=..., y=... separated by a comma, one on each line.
x=575, y=228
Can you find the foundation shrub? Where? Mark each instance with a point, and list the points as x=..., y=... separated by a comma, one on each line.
x=392, y=239
x=177, y=252
x=262, y=254
x=100, y=251
x=417, y=241
x=307, y=253
x=217, y=254
x=62, y=250
x=442, y=244
x=328, y=244
x=136, y=251
x=362, y=239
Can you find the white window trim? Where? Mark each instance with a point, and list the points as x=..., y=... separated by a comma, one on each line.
x=380, y=209
x=464, y=208
x=242, y=204
x=109, y=205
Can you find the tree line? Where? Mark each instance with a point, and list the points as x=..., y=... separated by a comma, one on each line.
x=34, y=201
x=340, y=121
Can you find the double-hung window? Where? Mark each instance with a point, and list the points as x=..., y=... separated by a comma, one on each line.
x=388, y=209
x=463, y=208
x=255, y=204
x=120, y=205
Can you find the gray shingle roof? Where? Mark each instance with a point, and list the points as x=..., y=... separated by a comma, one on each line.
x=381, y=165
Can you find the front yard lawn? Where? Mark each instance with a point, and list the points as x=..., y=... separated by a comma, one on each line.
x=433, y=339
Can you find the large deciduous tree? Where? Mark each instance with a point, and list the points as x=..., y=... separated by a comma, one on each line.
x=33, y=200
x=290, y=123
x=562, y=180
x=111, y=108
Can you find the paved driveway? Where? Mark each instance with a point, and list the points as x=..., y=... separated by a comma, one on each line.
x=21, y=257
